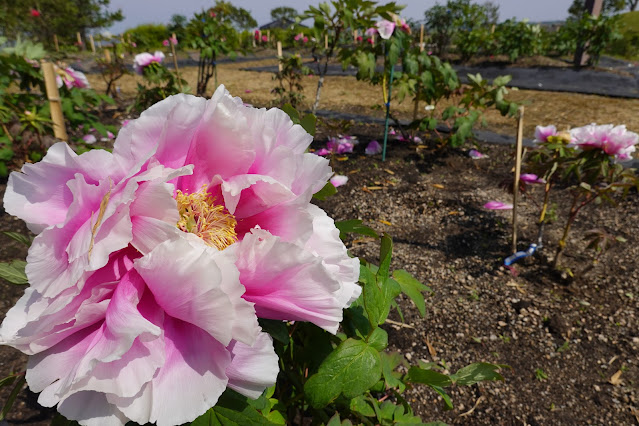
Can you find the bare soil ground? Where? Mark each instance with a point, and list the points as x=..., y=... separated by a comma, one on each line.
x=573, y=344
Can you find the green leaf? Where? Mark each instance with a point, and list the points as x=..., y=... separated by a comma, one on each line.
x=292, y=112
x=308, y=123
x=334, y=421
x=390, y=361
x=447, y=401
x=351, y=369
x=232, y=409
x=362, y=406
x=428, y=377
x=325, y=192
x=21, y=238
x=14, y=272
x=372, y=296
x=12, y=397
x=385, y=254
x=412, y=288
x=354, y=226
x=378, y=339
x=276, y=328
x=477, y=372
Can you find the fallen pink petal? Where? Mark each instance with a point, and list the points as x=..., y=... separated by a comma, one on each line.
x=339, y=180
x=531, y=178
x=497, y=205
x=373, y=148
x=475, y=155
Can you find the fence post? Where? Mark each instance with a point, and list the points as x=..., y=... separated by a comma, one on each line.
x=279, y=56
x=92, y=43
x=79, y=37
x=55, y=105
x=518, y=150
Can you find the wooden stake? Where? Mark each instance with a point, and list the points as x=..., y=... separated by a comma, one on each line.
x=279, y=55
x=107, y=55
x=268, y=35
x=92, y=43
x=518, y=150
x=421, y=39
x=55, y=43
x=55, y=106
x=325, y=41
x=79, y=37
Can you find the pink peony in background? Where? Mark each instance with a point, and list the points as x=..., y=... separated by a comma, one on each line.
x=615, y=141
x=71, y=78
x=152, y=263
x=143, y=60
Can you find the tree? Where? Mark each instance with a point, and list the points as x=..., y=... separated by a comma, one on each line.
x=63, y=18
x=239, y=17
x=459, y=21
x=609, y=7
x=283, y=12
x=632, y=4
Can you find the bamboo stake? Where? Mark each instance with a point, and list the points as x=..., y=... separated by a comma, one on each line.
x=107, y=55
x=55, y=106
x=55, y=42
x=325, y=41
x=518, y=150
x=421, y=39
x=175, y=61
x=92, y=43
x=79, y=37
x=279, y=55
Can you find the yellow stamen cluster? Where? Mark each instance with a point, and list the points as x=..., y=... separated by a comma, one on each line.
x=201, y=216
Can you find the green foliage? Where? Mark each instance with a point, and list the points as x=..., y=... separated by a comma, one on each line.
x=13, y=272
x=331, y=20
x=519, y=39
x=290, y=89
x=283, y=12
x=61, y=17
x=598, y=33
x=159, y=83
x=213, y=33
x=627, y=45
x=461, y=23
x=148, y=36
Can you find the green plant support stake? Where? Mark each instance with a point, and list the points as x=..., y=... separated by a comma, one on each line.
x=390, y=86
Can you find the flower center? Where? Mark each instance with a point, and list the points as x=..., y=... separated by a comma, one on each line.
x=200, y=215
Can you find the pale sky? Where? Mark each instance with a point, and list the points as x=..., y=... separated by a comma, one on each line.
x=160, y=11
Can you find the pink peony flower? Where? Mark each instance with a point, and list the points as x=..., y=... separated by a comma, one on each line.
x=145, y=59
x=373, y=148
x=497, y=205
x=134, y=44
x=110, y=335
x=531, y=178
x=543, y=133
x=35, y=13
x=385, y=28
x=264, y=38
x=173, y=41
x=615, y=141
x=298, y=36
x=165, y=43
x=371, y=32
x=305, y=39
x=71, y=78
x=338, y=180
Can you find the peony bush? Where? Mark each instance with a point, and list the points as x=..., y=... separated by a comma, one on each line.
x=178, y=272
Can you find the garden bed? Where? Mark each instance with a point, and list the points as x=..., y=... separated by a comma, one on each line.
x=565, y=339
